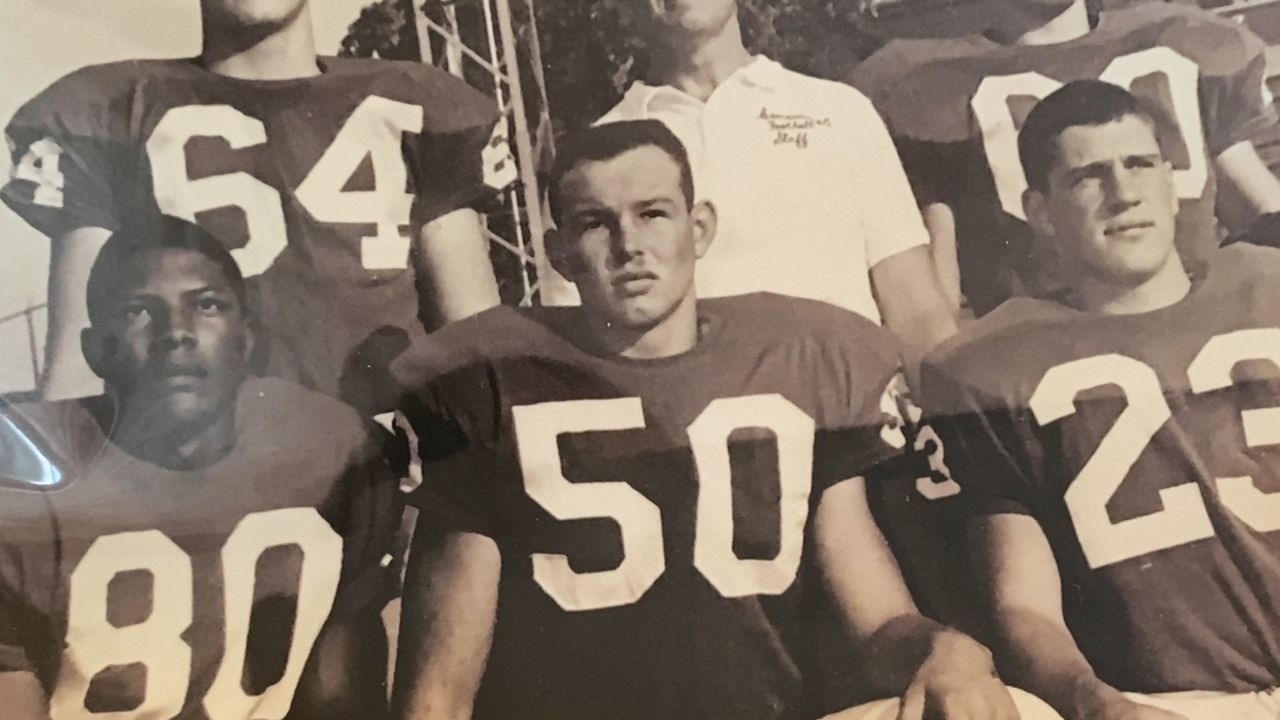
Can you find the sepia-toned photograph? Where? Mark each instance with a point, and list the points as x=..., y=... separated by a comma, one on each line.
x=640, y=360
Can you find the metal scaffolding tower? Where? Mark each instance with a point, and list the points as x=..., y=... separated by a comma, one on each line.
x=511, y=59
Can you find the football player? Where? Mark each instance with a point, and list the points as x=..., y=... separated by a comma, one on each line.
x=1119, y=449
x=192, y=544
x=954, y=107
x=629, y=505
x=811, y=195
x=324, y=176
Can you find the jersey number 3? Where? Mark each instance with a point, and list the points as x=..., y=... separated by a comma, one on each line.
x=1184, y=517
x=95, y=644
x=639, y=519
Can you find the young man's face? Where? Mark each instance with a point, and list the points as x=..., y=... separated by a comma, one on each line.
x=628, y=238
x=252, y=13
x=1111, y=203
x=697, y=17
x=173, y=340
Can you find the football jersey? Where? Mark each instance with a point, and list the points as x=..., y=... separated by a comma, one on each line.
x=136, y=591
x=955, y=106
x=652, y=515
x=314, y=184
x=1148, y=449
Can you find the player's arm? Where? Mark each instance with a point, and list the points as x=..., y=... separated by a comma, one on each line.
x=903, y=277
x=66, y=373
x=940, y=221
x=344, y=677
x=912, y=657
x=1249, y=189
x=22, y=697
x=451, y=256
x=912, y=303
x=446, y=625
x=1034, y=648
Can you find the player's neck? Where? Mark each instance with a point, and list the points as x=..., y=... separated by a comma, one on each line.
x=1068, y=25
x=674, y=335
x=283, y=53
x=152, y=438
x=697, y=65
x=1166, y=288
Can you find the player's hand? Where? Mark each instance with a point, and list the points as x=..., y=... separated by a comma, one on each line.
x=1125, y=709
x=957, y=682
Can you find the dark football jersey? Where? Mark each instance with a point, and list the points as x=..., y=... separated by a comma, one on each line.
x=955, y=106
x=1148, y=449
x=313, y=183
x=652, y=515
x=135, y=591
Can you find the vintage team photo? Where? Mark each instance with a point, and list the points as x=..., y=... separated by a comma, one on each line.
x=640, y=360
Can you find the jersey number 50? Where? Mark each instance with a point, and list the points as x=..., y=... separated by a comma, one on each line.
x=95, y=644
x=1184, y=517
x=639, y=519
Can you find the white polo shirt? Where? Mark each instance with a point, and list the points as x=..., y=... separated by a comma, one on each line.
x=810, y=191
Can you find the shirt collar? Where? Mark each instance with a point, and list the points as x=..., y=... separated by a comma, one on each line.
x=761, y=72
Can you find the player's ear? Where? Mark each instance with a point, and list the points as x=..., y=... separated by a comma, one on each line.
x=560, y=252
x=704, y=217
x=97, y=348
x=1036, y=207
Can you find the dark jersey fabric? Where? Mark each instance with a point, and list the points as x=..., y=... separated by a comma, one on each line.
x=127, y=587
x=954, y=107
x=653, y=516
x=313, y=183
x=1146, y=448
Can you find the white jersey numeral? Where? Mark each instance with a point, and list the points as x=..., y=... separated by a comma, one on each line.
x=179, y=195
x=640, y=521
x=95, y=644
x=374, y=130
x=1184, y=517
x=1179, y=78
x=40, y=165
x=1211, y=371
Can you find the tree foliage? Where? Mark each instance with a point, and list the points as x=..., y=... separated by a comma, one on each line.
x=591, y=50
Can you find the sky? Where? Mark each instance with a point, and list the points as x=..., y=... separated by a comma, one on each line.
x=42, y=40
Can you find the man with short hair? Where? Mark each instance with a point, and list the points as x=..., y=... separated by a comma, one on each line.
x=630, y=507
x=810, y=193
x=324, y=176
x=1116, y=448
x=194, y=543
x=954, y=106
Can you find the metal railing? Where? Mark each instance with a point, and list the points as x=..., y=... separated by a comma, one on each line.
x=28, y=316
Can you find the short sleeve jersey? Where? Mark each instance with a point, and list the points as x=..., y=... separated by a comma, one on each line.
x=955, y=106
x=653, y=516
x=1145, y=447
x=133, y=590
x=314, y=183
x=809, y=190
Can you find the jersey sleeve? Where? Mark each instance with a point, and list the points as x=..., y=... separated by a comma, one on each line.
x=455, y=442
x=1234, y=98
x=66, y=154
x=887, y=207
x=373, y=517
x=463, y=154
x=989, y=446
x=863, y=430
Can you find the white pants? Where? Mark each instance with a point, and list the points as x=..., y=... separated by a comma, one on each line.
x=1217, y=706
x=1029, y=707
